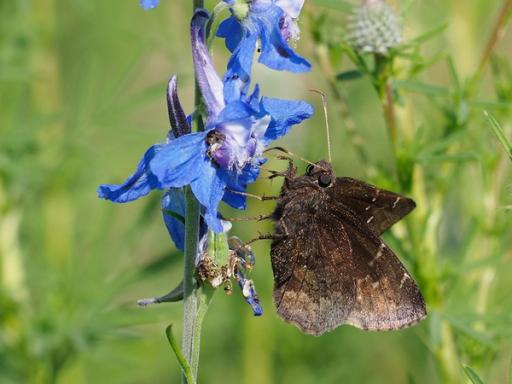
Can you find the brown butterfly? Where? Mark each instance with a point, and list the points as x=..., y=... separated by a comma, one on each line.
x=330, y=265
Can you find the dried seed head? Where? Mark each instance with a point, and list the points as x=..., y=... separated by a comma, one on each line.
x=374, y=27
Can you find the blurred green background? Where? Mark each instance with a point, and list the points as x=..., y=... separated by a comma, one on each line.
x=82, y=95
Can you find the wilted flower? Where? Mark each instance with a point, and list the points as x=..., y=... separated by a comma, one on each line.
x=375, y=27
x=273, y=23
x=226, y=156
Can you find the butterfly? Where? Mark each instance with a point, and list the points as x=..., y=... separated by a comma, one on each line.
x=330, y=265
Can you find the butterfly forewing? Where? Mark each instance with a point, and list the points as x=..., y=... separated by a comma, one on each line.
x=378, y=207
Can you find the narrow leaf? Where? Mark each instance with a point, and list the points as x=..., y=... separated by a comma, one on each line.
x=349, y=75
x=187, y=372
x=175, y=295
x=472, y=375
x=500, y=134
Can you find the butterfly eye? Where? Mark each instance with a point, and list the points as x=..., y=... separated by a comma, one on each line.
x=324, y=180
x=309, y=169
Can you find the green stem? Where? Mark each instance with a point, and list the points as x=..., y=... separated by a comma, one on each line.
x=190, y=305
x=191, y=321
x=496, y=35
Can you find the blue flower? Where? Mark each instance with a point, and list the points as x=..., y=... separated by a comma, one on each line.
x=226, y=155
x=149, y=4
x=273, y=22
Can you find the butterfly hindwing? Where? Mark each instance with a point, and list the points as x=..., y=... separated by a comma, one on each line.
x=312, y=284
x=386, y=296
x=344, y=274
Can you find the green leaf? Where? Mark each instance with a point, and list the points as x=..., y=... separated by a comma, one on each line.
x=349, y=75
x=472, y=375
x=179, y=355
x=500, y=134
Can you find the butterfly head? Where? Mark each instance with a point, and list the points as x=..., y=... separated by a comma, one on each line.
x=321, y=173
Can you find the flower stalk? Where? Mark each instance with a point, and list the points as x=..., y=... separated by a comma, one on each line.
x=191, y=338
x=191, y=333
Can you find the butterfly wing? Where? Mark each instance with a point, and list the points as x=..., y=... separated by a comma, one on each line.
x=386, y=296
x=312, y=287
x=379, y=208
x=330, y=269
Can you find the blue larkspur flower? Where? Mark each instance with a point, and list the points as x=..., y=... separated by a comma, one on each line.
x=273, y=23
x=149, y=4
x=226, y=156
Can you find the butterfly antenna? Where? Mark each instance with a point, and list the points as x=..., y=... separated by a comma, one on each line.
x=328, y=132
x=281, y=149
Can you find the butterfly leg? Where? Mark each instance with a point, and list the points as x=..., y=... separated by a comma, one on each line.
x=253, y=218
x=260, y=198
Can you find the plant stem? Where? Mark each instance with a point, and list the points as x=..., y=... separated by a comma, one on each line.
x=496, y=35
x=389, y=113
x=382, y=67
x=190, y=309
x=447, y=357
x=191, y=321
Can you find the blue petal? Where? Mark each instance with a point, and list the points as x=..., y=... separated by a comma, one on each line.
x=238, y=75
x=175, y=165
x=251, y=297
x=275, y=51
x=209, y=189
x=254, y=99
x=236, y=110
x=231, y=30
x=239, y=182
x=174, y=201
x=149, y=4
x=212, y=88
x=137, y=185
x=285, y=113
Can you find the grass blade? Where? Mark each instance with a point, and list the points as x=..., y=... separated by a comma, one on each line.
x=472, y=375
x=500, y=134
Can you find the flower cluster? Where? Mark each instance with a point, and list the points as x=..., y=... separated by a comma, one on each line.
x=219, y=162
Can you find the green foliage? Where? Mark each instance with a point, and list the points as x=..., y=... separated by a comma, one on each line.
x=82, y=94
x=475, y=379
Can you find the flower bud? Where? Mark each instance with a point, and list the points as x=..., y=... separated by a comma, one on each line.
x=240, y=9
x=374, y=28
